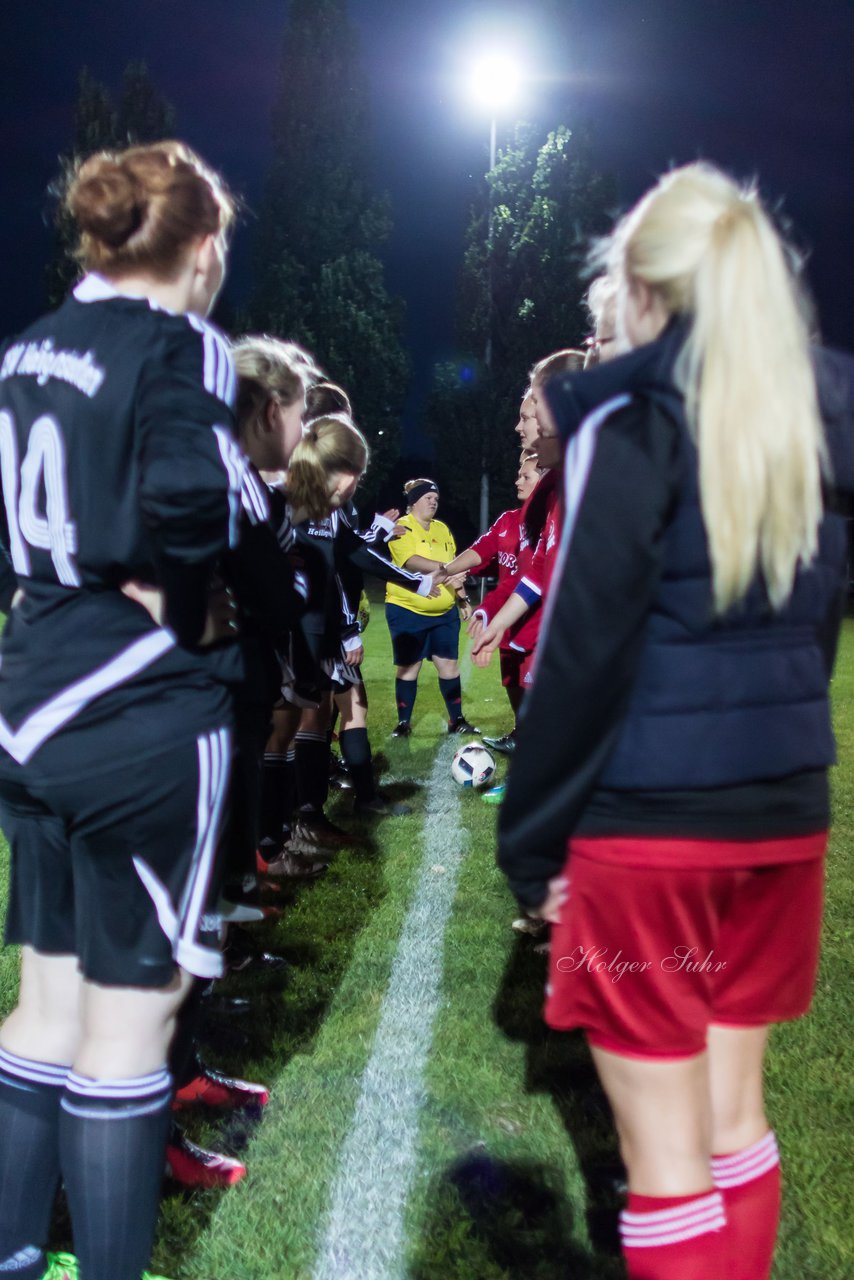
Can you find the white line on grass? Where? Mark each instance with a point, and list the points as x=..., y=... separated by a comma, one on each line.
x=363, y=1238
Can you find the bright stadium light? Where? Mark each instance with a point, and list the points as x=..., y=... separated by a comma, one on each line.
x=495, y=81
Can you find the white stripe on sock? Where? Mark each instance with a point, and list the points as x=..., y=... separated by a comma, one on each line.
x=671, y=1226
x=36, y=1072
x=747, y=1165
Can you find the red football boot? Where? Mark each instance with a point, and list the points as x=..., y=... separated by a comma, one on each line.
x=192, y=1166
x=213, y=1088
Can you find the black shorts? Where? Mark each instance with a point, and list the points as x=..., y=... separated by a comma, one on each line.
x=415, y=636
x=121, y=869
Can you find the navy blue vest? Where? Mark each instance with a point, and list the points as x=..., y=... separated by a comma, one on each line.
x=721, y=700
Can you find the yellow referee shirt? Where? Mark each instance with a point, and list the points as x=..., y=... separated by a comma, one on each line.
x=435, y=543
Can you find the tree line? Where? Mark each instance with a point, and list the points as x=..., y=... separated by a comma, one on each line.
x=318, y=276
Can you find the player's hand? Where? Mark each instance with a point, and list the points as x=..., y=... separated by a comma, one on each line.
x=354, y=656
x=475, y=626
x=555, y=899
x=465, y=612
x=485, y=645
x=435, y=585
x=399, y=529
x=456, y=580
x=151, y=598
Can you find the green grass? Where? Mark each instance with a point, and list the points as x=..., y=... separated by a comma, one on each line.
x=514, y=1146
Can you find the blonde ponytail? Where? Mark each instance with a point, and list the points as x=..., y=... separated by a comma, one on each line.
x=330, y=447
x=708, y=248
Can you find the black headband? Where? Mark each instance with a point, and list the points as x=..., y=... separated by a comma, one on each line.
x=418, y=491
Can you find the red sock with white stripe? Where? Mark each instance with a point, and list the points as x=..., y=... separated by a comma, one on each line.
x=749, y=1181
x=674, y=1237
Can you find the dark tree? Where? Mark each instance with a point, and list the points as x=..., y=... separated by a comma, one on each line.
x=143, y=115
x=522, y=287
x=318, y=277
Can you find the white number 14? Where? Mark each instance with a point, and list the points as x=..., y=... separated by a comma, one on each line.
x=43, y=468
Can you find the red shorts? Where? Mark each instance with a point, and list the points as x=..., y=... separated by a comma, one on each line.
x=517, y=669
x=645, y=958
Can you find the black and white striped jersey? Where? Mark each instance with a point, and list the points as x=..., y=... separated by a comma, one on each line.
x=118, y=461
x=334, y=555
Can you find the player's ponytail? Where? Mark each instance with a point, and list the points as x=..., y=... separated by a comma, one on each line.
x=138, y=210
x=709, y=250
x=330, y=447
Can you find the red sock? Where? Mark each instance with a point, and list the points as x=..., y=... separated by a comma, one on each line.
x=749, y=1181
x=674, y=1237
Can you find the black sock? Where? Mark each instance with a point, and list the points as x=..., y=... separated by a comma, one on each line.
x=273, y=797
x=30, y=1093
x=356, y=750
x=312, y=771
x=112, y=1142
x=289, y=792
x=404, y=692
x=452, y=692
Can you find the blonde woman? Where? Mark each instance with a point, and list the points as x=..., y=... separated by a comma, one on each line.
x=682, y=688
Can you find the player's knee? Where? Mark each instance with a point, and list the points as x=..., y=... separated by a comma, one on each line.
x=737, y=1124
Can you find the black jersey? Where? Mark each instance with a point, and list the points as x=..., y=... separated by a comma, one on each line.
x=327, y=614
x=118, y=462
x=334, y=555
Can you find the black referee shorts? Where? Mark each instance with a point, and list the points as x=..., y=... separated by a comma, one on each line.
x=121, y=869
x=416, y=636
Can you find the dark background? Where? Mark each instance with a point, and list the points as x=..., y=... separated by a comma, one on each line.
x=761, y=88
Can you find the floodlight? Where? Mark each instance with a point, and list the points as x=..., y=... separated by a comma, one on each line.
x=495, y=81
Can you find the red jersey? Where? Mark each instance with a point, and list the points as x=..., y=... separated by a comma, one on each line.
x=499, y=546
x=539, y=533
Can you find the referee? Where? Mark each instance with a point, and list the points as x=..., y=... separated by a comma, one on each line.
x=426, y=627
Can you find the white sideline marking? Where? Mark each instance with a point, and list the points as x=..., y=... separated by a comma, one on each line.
x=363, y=1238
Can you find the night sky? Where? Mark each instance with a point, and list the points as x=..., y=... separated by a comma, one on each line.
x=760, y=86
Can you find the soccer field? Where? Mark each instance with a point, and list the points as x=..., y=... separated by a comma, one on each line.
x=423, y=1123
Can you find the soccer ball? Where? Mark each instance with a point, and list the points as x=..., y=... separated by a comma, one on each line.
x=473, y=765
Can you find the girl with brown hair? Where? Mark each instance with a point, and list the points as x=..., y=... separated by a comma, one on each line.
x=118, y=462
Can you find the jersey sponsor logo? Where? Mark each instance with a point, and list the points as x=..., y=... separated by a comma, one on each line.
x=40, y=360
x=507, y=560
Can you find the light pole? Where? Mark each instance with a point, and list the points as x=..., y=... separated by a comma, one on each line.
x=495, y=85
